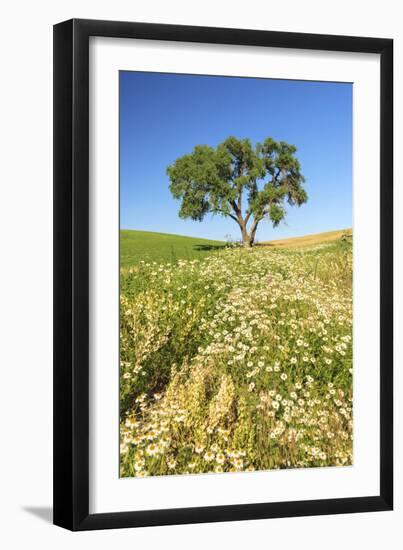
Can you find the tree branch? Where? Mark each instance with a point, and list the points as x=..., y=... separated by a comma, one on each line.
x=228, y=214
x=276, y=176
x=240, y=199
x=248, y=215
x=234, y=206
x=254, y=228
x=254, y=225
x=234, y=218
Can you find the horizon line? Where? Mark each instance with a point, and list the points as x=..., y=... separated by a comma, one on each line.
x=220, y=240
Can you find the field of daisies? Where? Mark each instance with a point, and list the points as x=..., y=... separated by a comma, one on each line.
x=239, y=361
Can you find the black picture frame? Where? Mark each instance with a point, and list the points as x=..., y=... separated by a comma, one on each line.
x=71, y=274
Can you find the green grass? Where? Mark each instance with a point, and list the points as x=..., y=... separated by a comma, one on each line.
x=162, y=247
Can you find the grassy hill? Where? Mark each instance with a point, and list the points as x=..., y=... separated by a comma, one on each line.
x=308, y=240
x=149, y=246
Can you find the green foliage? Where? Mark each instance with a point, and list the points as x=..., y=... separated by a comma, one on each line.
x=215, y=180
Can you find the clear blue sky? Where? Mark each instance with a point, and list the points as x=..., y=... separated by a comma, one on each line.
x=163, y=116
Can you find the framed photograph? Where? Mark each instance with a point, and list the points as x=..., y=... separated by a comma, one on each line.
x=223, y=236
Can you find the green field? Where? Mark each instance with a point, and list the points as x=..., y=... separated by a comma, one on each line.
x=235, y=360
x=148, y=246
x=162, y=247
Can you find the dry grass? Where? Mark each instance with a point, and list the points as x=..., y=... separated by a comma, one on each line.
x=307, y=240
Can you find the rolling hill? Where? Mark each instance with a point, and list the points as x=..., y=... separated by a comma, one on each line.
x=308, y=240
x=150, y=246
x=164, y=247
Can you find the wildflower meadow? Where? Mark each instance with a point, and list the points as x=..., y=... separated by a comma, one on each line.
x=238, y=360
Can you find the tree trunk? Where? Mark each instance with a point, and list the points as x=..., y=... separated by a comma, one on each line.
x=252, y=237
x=245, y=237
x=246, y=241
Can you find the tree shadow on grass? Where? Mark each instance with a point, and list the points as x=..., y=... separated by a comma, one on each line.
x=207, y=247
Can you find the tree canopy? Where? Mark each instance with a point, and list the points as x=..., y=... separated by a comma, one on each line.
x=238, y=180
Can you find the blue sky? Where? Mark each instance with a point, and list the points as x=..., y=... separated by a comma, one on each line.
x=163, y=116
